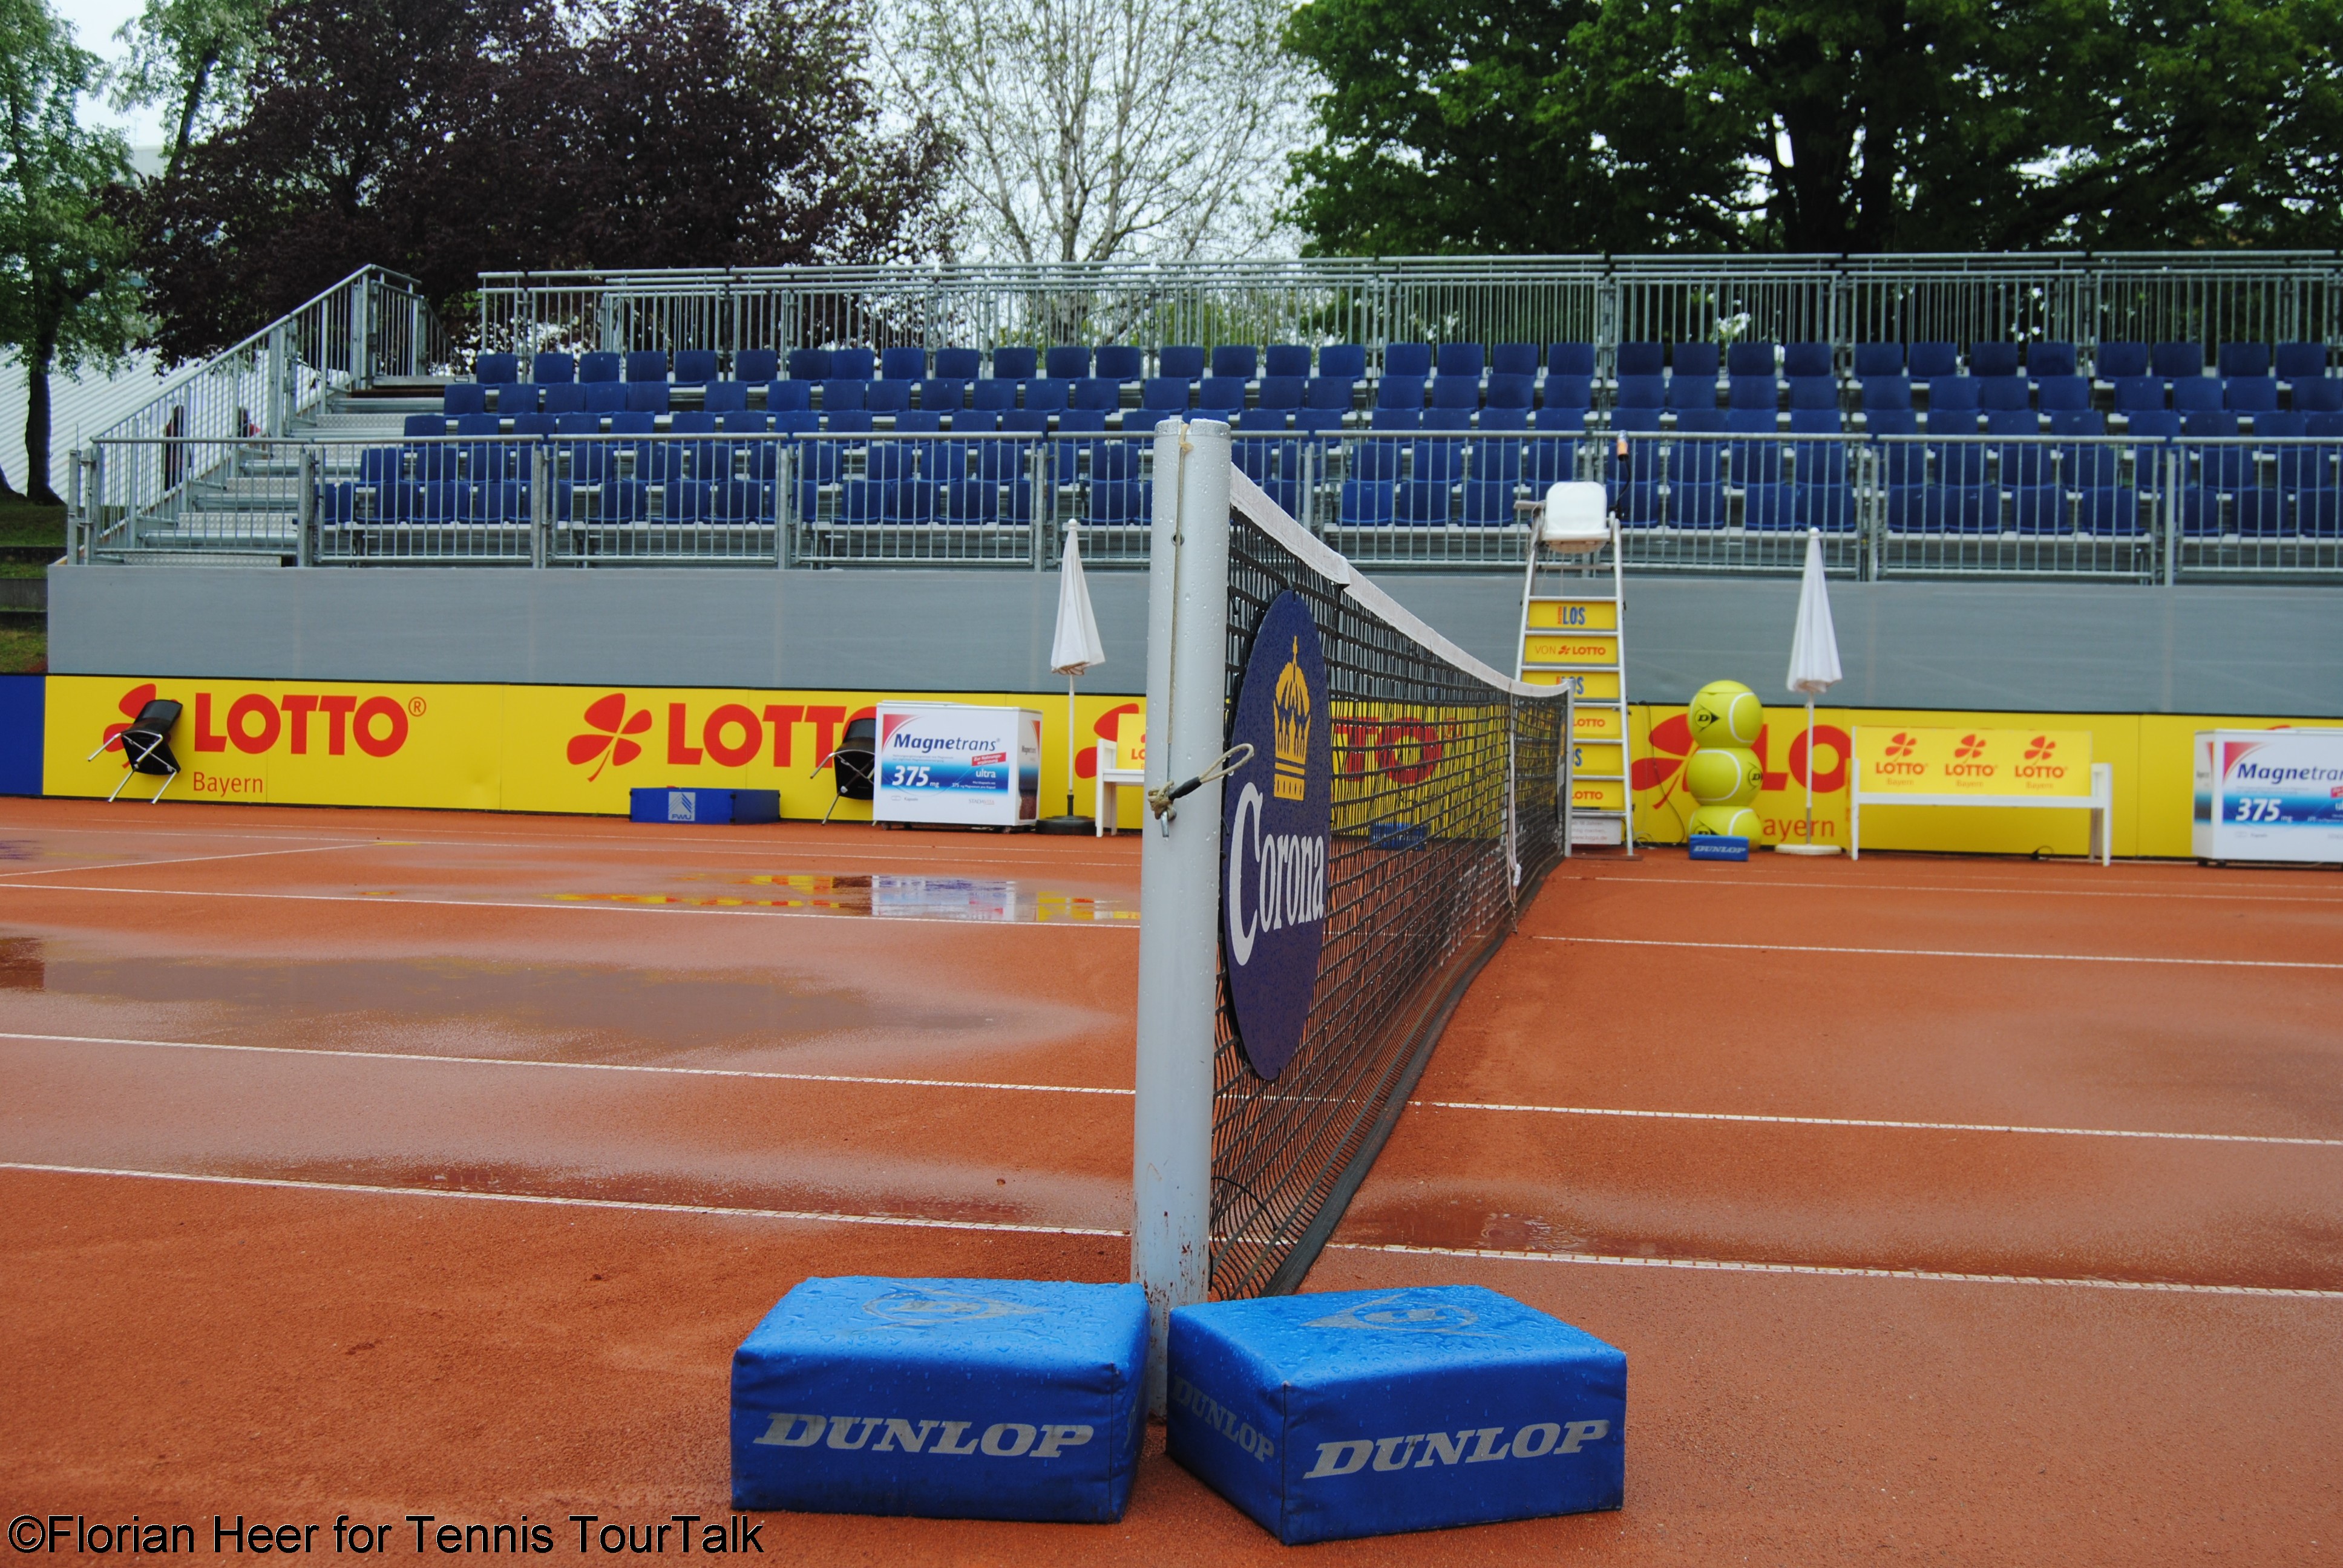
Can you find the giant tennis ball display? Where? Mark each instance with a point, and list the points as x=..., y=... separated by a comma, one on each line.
x=1725, y=713
x=1723, y=776
x=1732, y=821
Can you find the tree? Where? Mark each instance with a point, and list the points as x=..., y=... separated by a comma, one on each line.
x=191, y=55
x=444, y=138
x=66, y=297
x=1092, y=130
x=1822, y=126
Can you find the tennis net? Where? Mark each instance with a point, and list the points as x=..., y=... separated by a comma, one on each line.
x=1447, y=811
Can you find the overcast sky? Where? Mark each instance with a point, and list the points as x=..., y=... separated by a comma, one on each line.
x=94, y=23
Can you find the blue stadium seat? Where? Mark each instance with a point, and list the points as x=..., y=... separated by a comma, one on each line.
x=565, y=397
x=1420, y=502
x=2243, y=359
x=1697, y=361
x=880, y=396
x=1088, y=420
x=1099, y=393
x=1560, y=417
x=1696, y=506
x=853, y=365
x=1748, y=421
x=809, y=364
x=836, y=392
x=2196, y=394
x=1407, y=361
x=791, y=396
x=1814, y=392
x=1287, y=359
x=463, y=397
x=903, y=363
x=756, y=365
x=2109, y=511
x=1691, y=392
x=1752, y=358
x=1121, y=362
x=1015, y=364
x=2155, y=424
x=1827, y=507
x=958, y=363
x=2200, y=512
x=943, y=395
x=1322, y=420
x=1221, y=394
x=1993, y=358
x=2040, y=510
x=496, y=369
x=1770, y=507
x=1182, y=361
x=1366, y=503
x=646, y=365
x=2281, y=427
x=2061, y=393
x=1563, y=360
x=1513, y=359
x=1890, y=422
x=1819, y=462
x=2012, y=422
x=2137, y=394
x=605, y=397
x=2209, y=424
x=1327, y=392
x=1701, y=421
x=1437, y=461
x=1953, y=395
x=1804, y=359
x=1025, y=421
x=2114, y=361
x=2324, y=425
x=1497, y=458
x=2306, y=467
x=1067, y=362
x=2298, y=361
x=1344, y=361
x=2043, y=358
x=994, y=394
x=646, y=397
x=1489, y=503
x=846, y=421
x=1456, y=391
x=1399, y=392
x=1693, y=462
x=1460, y=359
x=1641, y=391
x=1640, y=358
x=2322, y=395
x=1927, y=361
x=2250, y=394
x=978, y=421
x=1510, y=390
x=1878, y=359
x=1814, y=421
x=2002, y=392
x=1164, y=392
x=1962, y=509
x=1746, y=391
x=1886, y=392
x=598, y=367
x=1576, y=393
x=2174, y=360
x=553, y=369
x=695, y=367
x=1961, y=463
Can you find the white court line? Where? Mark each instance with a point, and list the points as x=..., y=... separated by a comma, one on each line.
x=1830, y=1269
x=1855, y=1121
x=567, y=1065
x=1945, y=953
x=191, y=860
x=1739, y=884
x=555, y=902
x=761, y=847
x=813, y=1216
x=424, y=1056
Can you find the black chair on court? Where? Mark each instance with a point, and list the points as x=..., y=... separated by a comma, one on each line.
x=146, y=746
x=853, y=764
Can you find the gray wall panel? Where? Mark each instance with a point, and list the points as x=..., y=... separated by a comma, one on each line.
x=2015, y=646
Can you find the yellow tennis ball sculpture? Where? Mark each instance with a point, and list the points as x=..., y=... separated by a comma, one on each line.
x=1723, y=776
x=1730, y=821
x=1725, y=713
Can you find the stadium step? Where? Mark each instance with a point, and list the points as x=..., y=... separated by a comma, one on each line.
x=1574, y=634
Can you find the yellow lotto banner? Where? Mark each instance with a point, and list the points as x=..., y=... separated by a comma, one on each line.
x=1911, y=760
x=511, y=747
x=2151, y=756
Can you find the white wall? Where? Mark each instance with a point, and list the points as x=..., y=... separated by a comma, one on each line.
x=83, y=405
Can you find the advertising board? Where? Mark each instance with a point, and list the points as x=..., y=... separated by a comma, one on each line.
x=2268, y=795
x=959, y=764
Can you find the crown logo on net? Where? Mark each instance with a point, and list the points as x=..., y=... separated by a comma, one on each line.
x=1290, y=706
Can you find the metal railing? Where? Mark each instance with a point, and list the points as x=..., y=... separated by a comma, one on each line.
x=2079, y=298
x=2111, y=509
x=198, y=427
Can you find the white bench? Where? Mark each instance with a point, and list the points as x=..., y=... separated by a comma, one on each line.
x=2100, y=803
x=1110, y=781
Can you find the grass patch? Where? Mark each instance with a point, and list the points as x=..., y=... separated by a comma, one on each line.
x=24, y=650
x=22, y=523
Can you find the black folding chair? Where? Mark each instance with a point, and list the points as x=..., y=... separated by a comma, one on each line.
x=853, y=764
x=146, y=746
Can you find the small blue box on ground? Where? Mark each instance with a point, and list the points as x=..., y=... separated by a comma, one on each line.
x=1718, y=847
x=951, y=1399
x=704, y=805
x=1366, y=1413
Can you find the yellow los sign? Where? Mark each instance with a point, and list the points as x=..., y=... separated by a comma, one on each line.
x=1917, y=761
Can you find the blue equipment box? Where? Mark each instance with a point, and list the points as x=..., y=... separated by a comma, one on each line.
x=1718, y=847
x=951, y=1398
x=703, y=805
x=1365, y=1413
x=1396, y=835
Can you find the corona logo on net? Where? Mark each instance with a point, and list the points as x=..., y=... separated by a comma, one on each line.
x=1292, y=726
x=333, y=724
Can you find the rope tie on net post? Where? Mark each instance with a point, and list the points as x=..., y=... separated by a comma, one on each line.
x=1160, y=800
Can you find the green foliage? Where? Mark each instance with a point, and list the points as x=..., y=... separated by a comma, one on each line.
x=192, y=56
x=1821, y=125
x=66, y=297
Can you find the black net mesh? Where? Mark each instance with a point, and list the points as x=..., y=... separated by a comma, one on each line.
x=1432, y=767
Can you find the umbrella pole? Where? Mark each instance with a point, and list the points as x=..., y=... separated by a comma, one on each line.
x=1809, y=847
x=1071, y=746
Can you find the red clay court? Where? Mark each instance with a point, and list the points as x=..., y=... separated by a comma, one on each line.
x=385, y=1163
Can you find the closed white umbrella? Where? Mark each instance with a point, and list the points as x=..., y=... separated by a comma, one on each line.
x=1076, y=646
x=1814, y=667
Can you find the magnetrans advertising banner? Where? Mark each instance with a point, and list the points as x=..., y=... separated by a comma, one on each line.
x=953, y=762
x=2271, y=795
x=1910, y=759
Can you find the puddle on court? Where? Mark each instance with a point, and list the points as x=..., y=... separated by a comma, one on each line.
x=879, y=896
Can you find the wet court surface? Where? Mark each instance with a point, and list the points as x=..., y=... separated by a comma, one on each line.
x=2057, y=1152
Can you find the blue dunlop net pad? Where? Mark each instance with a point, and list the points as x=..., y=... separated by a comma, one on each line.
x=1367, y=1413
x=952, y=1399
x=666, y=805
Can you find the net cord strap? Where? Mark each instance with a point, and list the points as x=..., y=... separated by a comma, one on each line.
x=1448, y=812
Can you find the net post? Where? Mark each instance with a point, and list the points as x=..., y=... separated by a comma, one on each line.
x=1179, y=951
